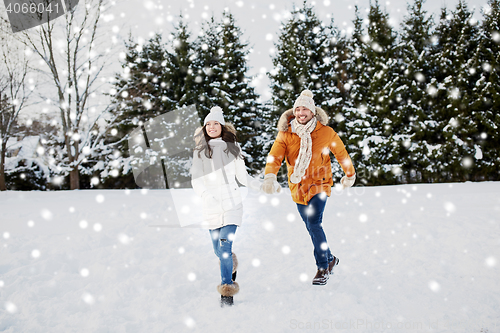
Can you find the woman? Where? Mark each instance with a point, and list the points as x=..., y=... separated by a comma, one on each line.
x=217, y=162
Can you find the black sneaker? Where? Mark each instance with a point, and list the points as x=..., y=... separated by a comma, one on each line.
x=332, y=264
x=321, y=277
x=226, y=301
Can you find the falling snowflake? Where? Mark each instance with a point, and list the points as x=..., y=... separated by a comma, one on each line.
x=10, y=307
x=35, y=253
x=88, y=298
x=190, y=322
x=496, y=36
x=268, y=226
x=46, y=214
x=262, y=199
x=420, y=77
x=491, y=261
x=84, y=272
x=124, y=239
x=434, y=286
x=467, y=162
x=450, y=207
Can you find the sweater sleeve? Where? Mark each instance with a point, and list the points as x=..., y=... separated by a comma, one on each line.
x=338, y=149
x=276, y=155
x=197, y=175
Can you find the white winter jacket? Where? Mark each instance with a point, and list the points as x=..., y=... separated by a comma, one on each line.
x=214, y=179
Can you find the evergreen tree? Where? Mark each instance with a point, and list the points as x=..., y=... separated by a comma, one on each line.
x=178, y=78
x=453, y=59
x=221, y=78
x=412, y=97
x=487, y=97
x=355, y=117
x=372, y=121
x=140, y=96
x=307, y=57
x=139, y=86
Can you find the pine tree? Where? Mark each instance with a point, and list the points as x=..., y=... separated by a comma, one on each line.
x=412, y=96
x=373, y=124
x=307, y=57
x=139, y=97
x=221, y=80
x=454, y=79
x=487, y=97
x=355, y=121
x=178, y=78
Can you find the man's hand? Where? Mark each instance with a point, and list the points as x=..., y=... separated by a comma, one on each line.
x=348, y=181
x=270, y=184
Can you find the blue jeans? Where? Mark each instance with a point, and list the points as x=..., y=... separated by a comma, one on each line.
x=222, y=240
x=312, y=214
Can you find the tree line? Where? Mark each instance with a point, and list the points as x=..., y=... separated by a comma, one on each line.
x=413, y=104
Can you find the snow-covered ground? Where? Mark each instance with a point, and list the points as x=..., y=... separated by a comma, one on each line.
x=414, y=258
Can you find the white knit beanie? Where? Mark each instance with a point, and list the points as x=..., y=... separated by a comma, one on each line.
x=305, y=99
x=215, y=114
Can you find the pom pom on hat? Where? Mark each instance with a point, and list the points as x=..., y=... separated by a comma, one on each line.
x=305, y=99
x=215, y=114
x=307, y=93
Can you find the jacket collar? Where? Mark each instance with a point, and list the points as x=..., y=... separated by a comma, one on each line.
x=287, y=117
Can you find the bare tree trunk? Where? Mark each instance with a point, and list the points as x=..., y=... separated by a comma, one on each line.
x=13, y=92
x=3, y=150
x=74, y=174
x=78, y=80
x=74, y=179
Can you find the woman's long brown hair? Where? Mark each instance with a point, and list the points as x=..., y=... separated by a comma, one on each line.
x=227, y=136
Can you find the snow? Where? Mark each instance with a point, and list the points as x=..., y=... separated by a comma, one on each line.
x=420, y=258
x=27, y=147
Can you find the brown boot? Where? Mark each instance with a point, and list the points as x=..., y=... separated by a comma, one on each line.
x=227, y=291
x=332, y=264
x=321, y=277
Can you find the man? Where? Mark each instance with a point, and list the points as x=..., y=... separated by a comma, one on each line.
x=305, y=141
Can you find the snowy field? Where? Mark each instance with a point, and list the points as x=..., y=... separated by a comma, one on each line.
x=413, y=258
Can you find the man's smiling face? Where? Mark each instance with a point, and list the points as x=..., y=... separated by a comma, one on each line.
x=303, y=114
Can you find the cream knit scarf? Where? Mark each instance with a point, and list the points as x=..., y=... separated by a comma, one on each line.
x=305, y=152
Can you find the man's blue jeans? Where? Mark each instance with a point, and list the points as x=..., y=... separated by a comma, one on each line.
x=312, y=214
x=222, y=240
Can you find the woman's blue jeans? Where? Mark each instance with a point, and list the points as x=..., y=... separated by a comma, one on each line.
x=222, y=240
x=312, y=214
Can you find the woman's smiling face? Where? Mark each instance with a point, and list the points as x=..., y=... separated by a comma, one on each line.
x=213, y=128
